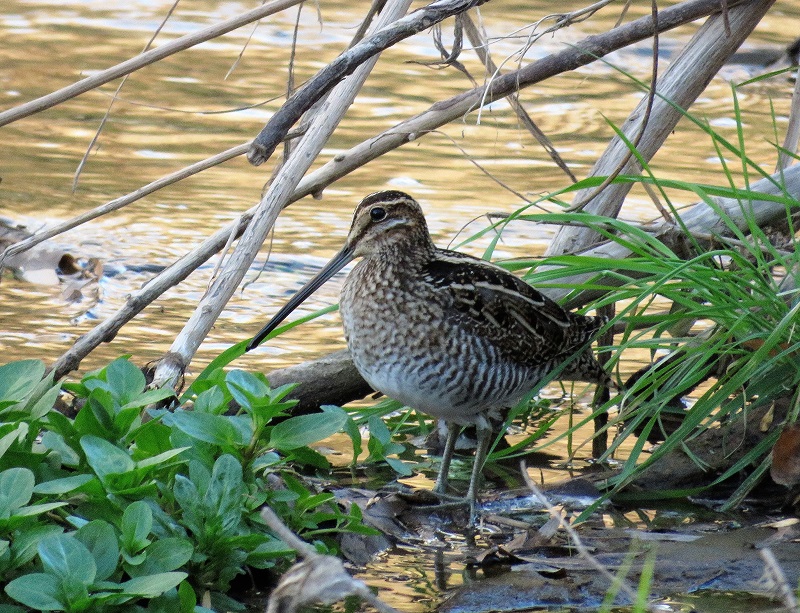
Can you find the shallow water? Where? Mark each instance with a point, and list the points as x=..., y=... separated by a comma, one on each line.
x=184, y=109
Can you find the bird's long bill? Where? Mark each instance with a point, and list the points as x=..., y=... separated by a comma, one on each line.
x=339, y=261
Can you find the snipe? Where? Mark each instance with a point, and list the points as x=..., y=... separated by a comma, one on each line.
x=443, y=332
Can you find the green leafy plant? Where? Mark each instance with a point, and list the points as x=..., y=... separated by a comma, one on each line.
x=127, y=503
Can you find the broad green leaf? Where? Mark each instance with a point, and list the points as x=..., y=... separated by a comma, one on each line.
x=152, y=438
x=164, y=555
x=124, y=380
x=104, y=409
x=214, y=429
x=353, y=431
x=210, y=401
x=308, y=457
x=8, y=439
x=151, y=586
x=268, y=551
x=137, y=523
x=104, y=457
x=378, y=429
x=400, y=467
x=100, y=539
x=16, y=489
x=226, y=492
x=187, y=597
x=68, y=455
x=18, y=379
x=188, y=498
x=36, y=509
x=45, y=403
x=39, y=591
x=265, y=460
x=67, y=558
x=149, y=397
x=303, y=430
x=26, y=541
x=125, y=419
x=245, y=387
x=161, y=458
x=62, y=485
x=133, y=560
x=95, y=417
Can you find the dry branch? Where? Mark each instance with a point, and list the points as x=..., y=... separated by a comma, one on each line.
x=320, y=84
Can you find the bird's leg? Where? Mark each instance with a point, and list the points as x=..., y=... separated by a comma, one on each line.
x=449, y=447
x=484, y=432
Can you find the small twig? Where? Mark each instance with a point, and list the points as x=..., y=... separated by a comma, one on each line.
x=478, y=165
x=665, y=214
x=243, y=49
x=481, y=48
x=287, y=145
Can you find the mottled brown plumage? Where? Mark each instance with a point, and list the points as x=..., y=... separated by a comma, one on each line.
x=443, y=332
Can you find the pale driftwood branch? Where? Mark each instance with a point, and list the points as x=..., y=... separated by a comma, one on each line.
x=142, y=60
x=317, y=579
x=320, y=84
x=684, y=80
x=171, y=368
x=439, y=114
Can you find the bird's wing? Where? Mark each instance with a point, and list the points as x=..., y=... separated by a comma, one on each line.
x=498, y=305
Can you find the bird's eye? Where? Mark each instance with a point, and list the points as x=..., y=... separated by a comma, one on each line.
x=377, y=213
